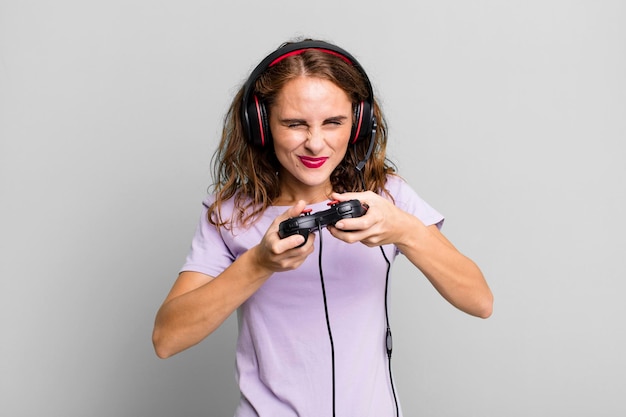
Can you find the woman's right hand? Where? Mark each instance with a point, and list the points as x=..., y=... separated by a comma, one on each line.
x=276, y=254
x=197, y=303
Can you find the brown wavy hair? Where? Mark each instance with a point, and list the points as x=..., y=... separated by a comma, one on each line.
x=248, y=173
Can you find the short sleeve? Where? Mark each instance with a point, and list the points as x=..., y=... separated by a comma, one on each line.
x=209, y=254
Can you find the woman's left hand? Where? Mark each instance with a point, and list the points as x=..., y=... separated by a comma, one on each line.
x=381, y=225
x=457, y=278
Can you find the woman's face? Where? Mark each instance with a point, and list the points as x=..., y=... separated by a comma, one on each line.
x=311, y=122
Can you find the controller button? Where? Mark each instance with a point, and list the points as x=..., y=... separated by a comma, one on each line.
x=307, y=211
x=344, y=209
x=332, y=203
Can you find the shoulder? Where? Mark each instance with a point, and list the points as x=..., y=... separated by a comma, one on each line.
x=394, y=183
x=398, y=189
x=224, y=211
x=407, y=199
x=236, y=214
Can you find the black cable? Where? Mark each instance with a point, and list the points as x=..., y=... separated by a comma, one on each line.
x=330, y=332
x=388, y=338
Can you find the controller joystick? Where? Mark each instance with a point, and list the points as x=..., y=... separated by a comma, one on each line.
x=308, y=221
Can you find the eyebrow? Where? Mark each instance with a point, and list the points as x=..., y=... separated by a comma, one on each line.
x=336, y=119
x=303, y=121
x=292, y=121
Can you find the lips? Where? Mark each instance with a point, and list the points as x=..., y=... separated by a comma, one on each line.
x=310, y=162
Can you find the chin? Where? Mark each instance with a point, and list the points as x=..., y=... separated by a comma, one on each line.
x=316, y=179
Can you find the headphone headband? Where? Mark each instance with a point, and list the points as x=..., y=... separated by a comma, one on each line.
x=301, y=50
x=254, y=113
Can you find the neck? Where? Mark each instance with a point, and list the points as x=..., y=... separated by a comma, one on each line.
x=290, y=194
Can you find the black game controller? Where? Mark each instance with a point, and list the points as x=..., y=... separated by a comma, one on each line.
x=307, y=222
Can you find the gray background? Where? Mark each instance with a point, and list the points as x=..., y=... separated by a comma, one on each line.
x=508, y=117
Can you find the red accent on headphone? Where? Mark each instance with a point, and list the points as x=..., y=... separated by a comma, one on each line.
x=258, y=113
x=300, y=51
x=358, y=127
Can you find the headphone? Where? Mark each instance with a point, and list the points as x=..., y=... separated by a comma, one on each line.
x=254, y=113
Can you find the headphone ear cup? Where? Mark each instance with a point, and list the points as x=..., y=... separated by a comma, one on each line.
x=363, y=122
x=258, y=123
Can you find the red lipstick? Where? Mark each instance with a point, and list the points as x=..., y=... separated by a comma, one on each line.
x=311, y=162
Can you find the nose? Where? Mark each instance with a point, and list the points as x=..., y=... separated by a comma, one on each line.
x=315, y=140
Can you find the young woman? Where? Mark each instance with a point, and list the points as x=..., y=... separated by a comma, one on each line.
x=305, y=130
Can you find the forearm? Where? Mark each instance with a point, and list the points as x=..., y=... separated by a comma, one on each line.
x=456, y=277
x=187, y=318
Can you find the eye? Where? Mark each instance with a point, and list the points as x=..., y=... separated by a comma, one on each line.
x=294, y=123
x=335, y=121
